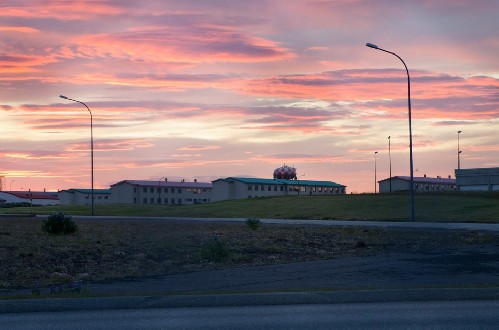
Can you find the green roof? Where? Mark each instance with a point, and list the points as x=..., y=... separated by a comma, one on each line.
x=285, y=182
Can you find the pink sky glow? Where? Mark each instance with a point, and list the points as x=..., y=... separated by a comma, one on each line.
x=201, y=90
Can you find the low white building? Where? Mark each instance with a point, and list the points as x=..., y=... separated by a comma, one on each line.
x=239, y=188
x=403, y=183
x=31, y=197
x=160, y=192
x=478, y=179
x=83, y=196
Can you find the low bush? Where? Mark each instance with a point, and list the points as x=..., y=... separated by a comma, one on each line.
x=59, y=223
x=253, y=223
x=215, y=250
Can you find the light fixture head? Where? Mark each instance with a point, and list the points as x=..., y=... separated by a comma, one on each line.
x=370, y=45
x=63, y=97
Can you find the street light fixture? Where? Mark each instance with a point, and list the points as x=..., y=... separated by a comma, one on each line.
x=370, y=45
x=390, y=161
x=91, y=146
x=458, y=152
x=159, y=188
x=375, y=173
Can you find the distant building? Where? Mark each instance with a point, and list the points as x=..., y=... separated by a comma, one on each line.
x=160, y=192
x=402, y=183
x=240, y=188
x=83, y=196
x=32, y=197
x=478, y=179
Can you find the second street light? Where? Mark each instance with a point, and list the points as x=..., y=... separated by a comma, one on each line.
x=375, y=173
x=390, y=161
x=370, y=45
x=91, y=147
x=458, y=152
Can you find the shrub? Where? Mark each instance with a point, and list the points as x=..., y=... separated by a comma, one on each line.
x=215, y=250
x=253, y=223
x=59, y=223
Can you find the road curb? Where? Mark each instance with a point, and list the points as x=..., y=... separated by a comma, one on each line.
x=250, y=299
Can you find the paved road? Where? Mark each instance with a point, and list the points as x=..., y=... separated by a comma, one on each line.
x=392, y=315
x=494, y=227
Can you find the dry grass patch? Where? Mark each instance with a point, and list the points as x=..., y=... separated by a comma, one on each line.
x=114, y=249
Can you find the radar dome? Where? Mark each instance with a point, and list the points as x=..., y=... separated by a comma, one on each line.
x=285, y=172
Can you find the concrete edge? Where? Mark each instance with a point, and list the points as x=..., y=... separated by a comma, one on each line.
x=250, y=299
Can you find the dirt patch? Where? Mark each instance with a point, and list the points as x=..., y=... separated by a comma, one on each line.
x=110, y=250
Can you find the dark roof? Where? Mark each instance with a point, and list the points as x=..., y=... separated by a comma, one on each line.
x=162, y=183
x=284, y=182
x=89, y=191
x=33, y=194
x=423, y=179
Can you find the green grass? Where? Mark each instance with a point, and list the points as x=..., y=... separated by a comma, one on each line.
x=437, y=207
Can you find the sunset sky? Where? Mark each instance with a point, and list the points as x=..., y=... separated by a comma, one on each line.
x=204, y=89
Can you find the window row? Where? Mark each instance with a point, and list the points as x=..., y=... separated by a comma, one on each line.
x=336, y=190
x=153, y=200
x=158, y=190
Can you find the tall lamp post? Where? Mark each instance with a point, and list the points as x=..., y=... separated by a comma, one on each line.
x=375, y=173
x=91, y=147
x=159, y=188
x=458, y=152
x=390, y=161
x=410, y=123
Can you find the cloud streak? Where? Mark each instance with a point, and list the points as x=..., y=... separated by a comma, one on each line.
x=217, y=88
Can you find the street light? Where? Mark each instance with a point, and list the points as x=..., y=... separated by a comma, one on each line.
x=410, y=123
x=159, y=188
x=375, y=175
x=458, y=152
x=390, y=161
x=91, y=146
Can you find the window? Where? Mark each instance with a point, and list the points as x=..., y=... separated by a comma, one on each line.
x=179, y=190
x=172, y=190
x=159, y=200
x=269, y=188
x=144, y=201
x=144, y=189
x=152, y=200
x=151, y=190
x=256, y=188
x=250, y=187
x=282, y=188
x=275, y=188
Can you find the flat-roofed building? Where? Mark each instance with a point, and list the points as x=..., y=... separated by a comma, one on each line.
x=240, y=188
x=478, y=179
x=84, y=196
x=403, y=183
x=160, y=192
x=31, y=197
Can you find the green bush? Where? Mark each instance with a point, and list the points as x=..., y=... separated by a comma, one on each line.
x=215, y=250
x=253, y=223
x=59, y=223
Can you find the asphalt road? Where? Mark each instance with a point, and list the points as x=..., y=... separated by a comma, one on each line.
x=469, y=272
x=390, y=315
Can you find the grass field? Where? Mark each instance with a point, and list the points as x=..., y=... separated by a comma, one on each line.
x=118, y=249
x=435, y=207
x=114, y=249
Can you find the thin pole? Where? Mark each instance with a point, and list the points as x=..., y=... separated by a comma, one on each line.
x=375, y=173
x=411, y=188
x=390, y=161
x=91, y=148
x=458, y=152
